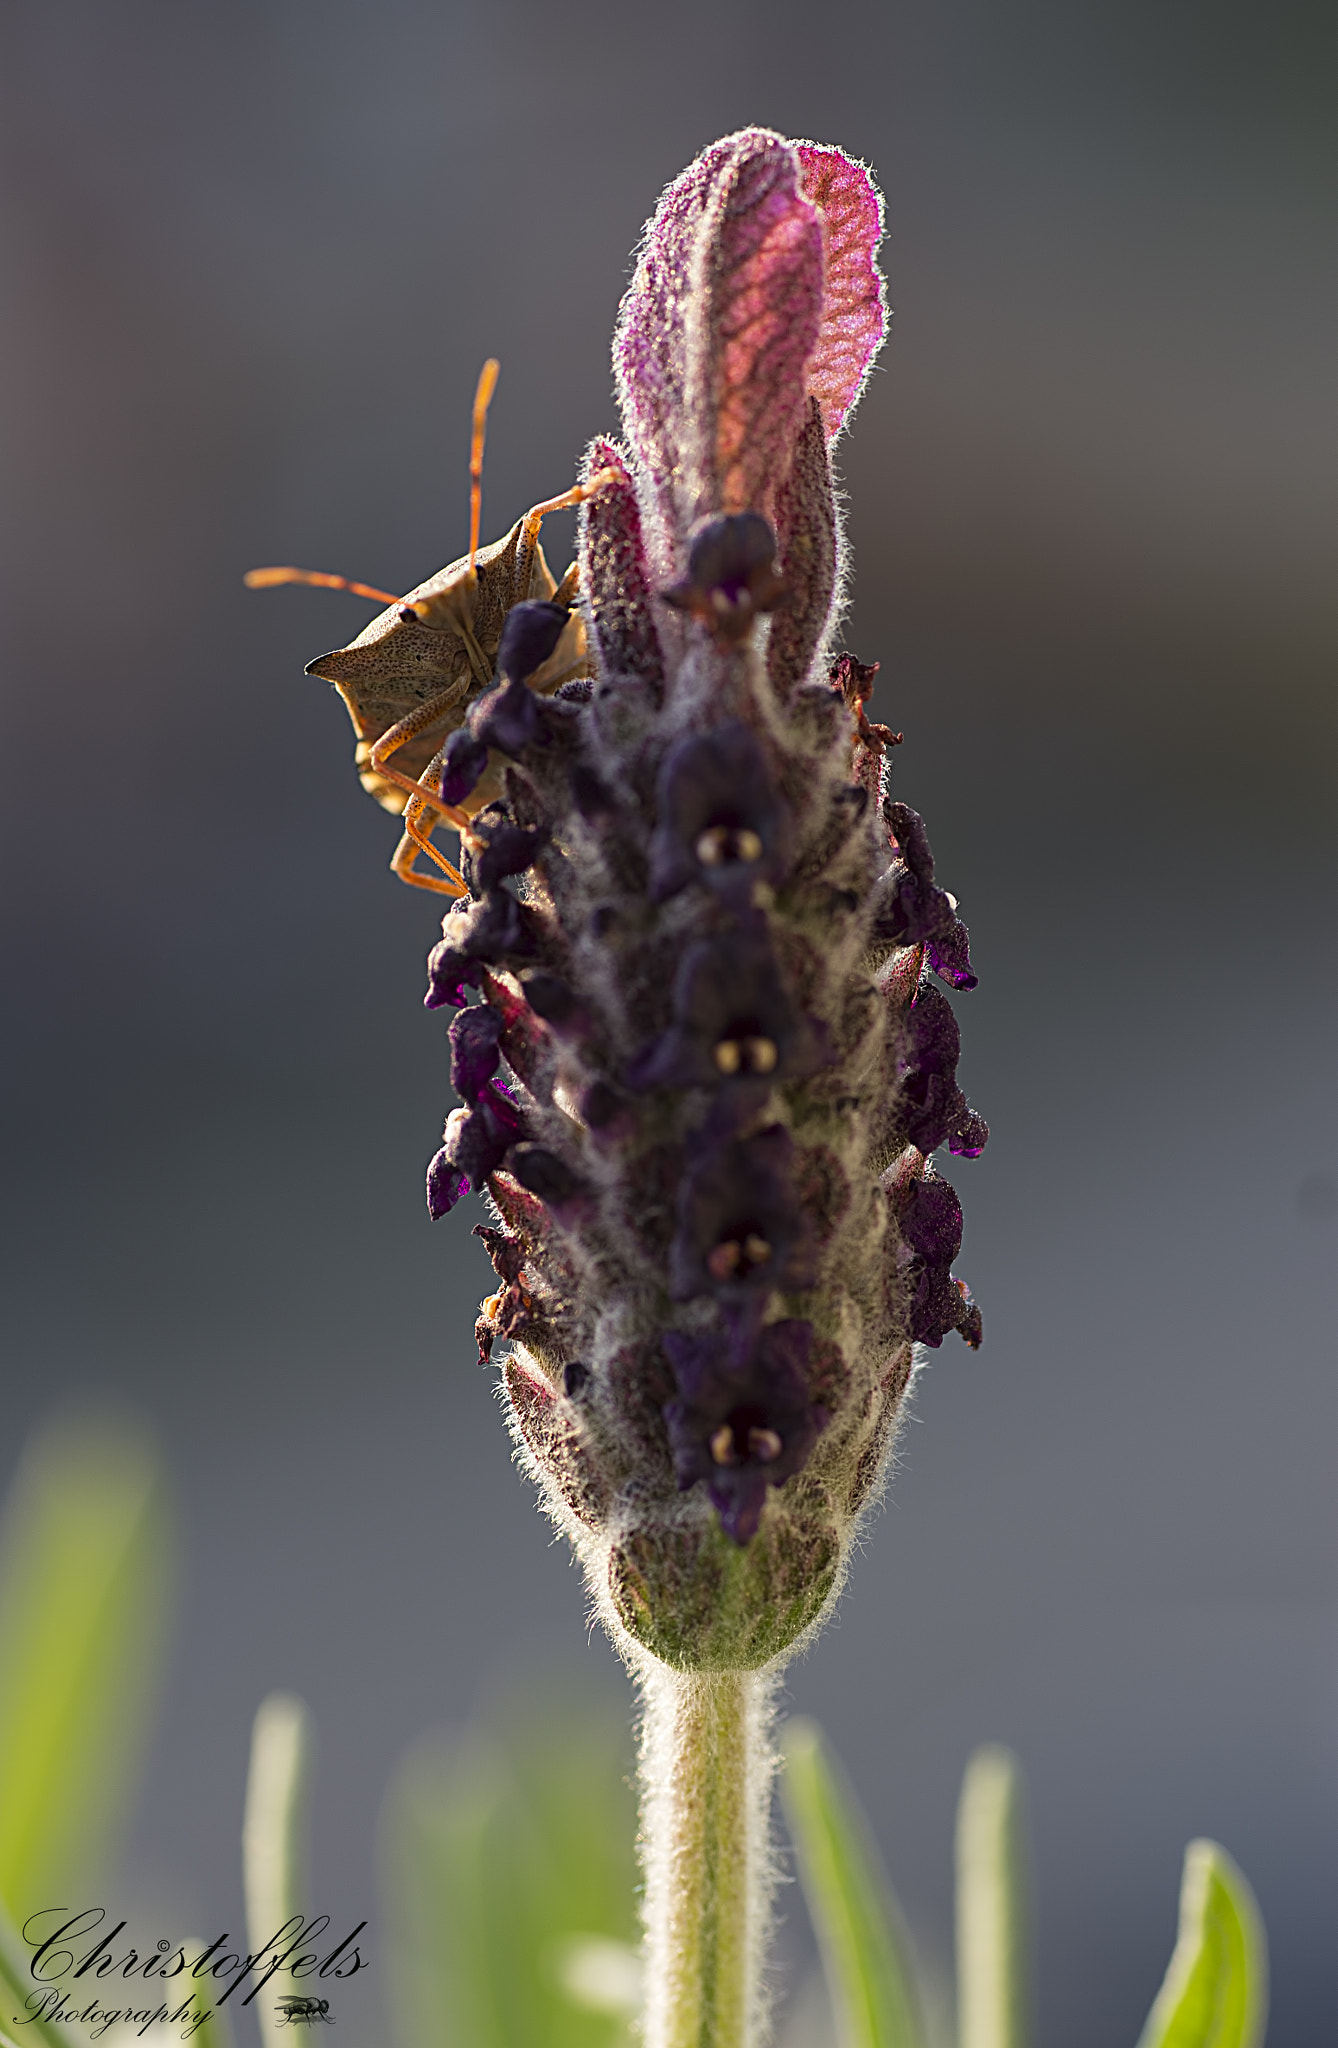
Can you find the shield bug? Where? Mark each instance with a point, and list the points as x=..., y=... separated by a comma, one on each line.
x=411, y=675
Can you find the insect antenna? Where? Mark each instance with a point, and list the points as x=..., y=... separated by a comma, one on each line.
x=266, y=579
x=269, y=579
x=487, y=384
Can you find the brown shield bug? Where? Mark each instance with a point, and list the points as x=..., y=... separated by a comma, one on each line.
x=411, y=675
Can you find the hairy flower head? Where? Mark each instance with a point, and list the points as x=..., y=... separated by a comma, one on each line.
x=700, y=1037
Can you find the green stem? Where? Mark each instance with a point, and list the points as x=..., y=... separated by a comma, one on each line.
x=276, y=1789
x=706, y=1768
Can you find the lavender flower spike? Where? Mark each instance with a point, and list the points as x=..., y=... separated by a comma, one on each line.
x=734, y=1098
x=702, y=1055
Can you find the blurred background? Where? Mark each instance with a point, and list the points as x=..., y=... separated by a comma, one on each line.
x=254, y=254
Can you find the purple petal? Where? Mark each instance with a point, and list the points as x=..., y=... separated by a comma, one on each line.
x=445, y=1185
x=716, y=784
x=743, y=1420
x=530, y=635
x=949, y=956
x=492, y=929
x=462, y=770
x=927, y=1069
x=906, y=826
x=931, y=1228
x=940, y=1305
x=478, y=1138
x=450, y=971
x=741, y=1230
x=506, y=849
x=934, y=1106
x=969, y=1139
x=731, y=574
x=931, y=1222
x=734, y=1022
x=475, y=1055
x=496, y=929
x=507, y=718
x=933, y=1041
x=909, y=907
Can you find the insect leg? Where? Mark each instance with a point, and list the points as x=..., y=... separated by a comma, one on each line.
x=398, y=735
x=414, y=842
x=418, y=830
x=534, y=519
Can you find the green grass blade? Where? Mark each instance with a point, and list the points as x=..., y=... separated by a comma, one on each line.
x=272, y=1837
x=216, y=2030
x=84, y=1582
x=510, y=1878
x=443, y=1810
x=992, y=1932
x=1215, y=1994
x=855, y=1918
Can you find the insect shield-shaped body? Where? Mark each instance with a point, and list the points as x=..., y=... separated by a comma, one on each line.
x=411, y=675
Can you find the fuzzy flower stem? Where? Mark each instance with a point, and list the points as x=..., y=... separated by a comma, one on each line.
x=706, y=1768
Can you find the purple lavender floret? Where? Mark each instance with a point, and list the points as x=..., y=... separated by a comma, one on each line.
x=910, y=906
x=475, y=1036
x=529, y=637
x=497, y=848
x=936, y=1109
x=479, y=1136
x=709, y=1055
x=971, y=1136
x=931, y=1222
x=462, y=769
x=948, y=956
x=912, y=909
x=741, y=1229
x=731, y=577
x=445, y=1184
x=734, y=1022
x=509, y=719
x=743, y=1420
x=476, y=932
x=931, y=1228
x=720, y=821
x=451, y=971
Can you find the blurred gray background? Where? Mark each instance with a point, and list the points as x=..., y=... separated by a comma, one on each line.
x=254, y=254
